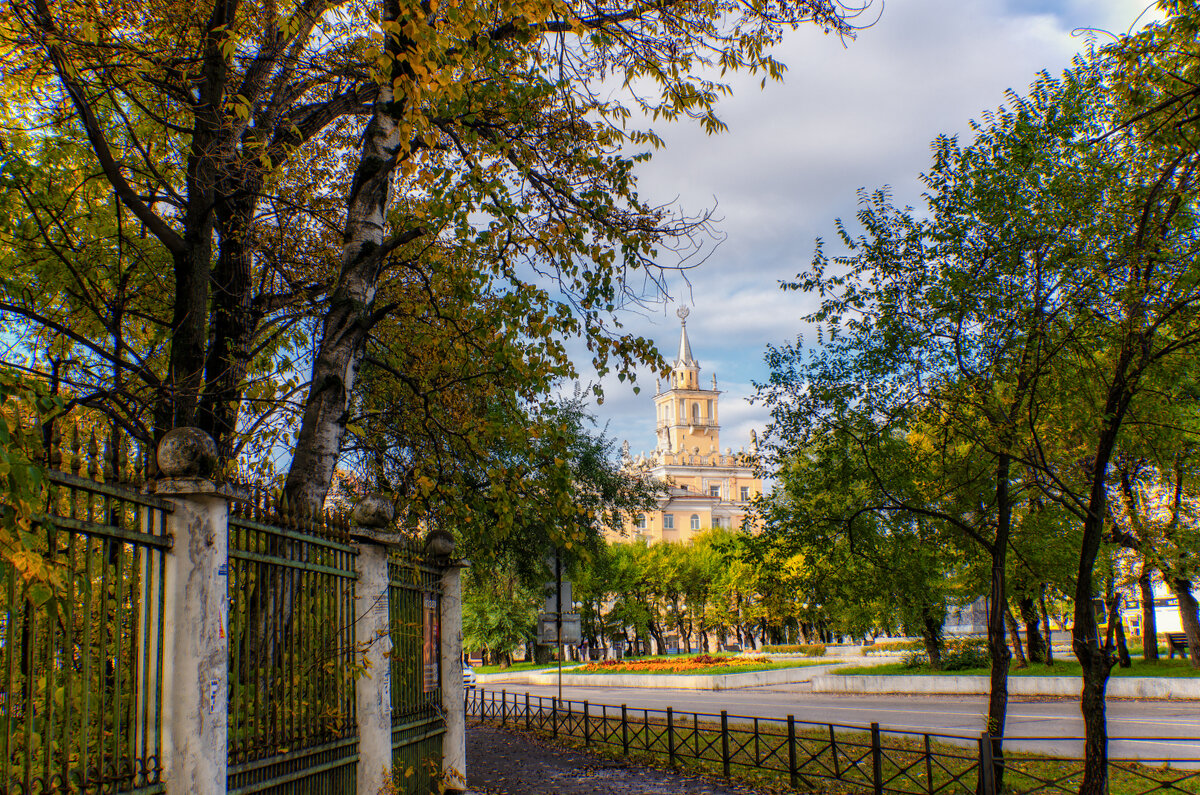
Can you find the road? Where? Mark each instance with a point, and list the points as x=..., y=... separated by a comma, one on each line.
x=1149, y=729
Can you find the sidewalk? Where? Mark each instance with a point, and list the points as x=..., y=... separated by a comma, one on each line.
x=503, y=762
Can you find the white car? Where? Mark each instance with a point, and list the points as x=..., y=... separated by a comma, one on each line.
x=468, y=676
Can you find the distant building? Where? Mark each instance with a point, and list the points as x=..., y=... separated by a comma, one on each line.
x=706, y=488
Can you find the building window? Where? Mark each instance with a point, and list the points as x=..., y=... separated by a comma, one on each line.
x=696, y=413
x=668, y=521
x=745, y=493
x=714, y=491
x=718, y=521
x=641, y=521
x=710, y=414
x=695, y=521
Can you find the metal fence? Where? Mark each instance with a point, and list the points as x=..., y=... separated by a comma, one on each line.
x=82, y=682
x=869, y=759
x=418, y=723
x=292, y=651
x=80, y=706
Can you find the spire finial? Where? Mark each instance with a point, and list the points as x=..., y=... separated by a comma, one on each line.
x=685, y=347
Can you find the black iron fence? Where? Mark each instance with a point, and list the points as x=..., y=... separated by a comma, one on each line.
x=418, y=723
x=870, y=759
x=81, y=676
x=292, y=651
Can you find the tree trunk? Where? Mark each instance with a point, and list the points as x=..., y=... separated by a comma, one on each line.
x=1122, y=647
x=1033, y=633
x=349, y=317
x=931, y=634
x=1095, y=659
x=657, y=635
x=1149, y=620
x=1116, y=631
x=1014, y=632
x=232, y=326
x=997, y=608
x=1046, y=625
x=1188, y=616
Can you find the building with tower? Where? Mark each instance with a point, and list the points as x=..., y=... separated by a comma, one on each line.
x=705, y=486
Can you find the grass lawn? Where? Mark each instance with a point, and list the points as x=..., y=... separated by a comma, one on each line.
x=522, y=666
x=1071, y=668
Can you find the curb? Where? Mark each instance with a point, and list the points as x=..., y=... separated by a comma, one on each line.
x=1119, y=687
x=778, y=676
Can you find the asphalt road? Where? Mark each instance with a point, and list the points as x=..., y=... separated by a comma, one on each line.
x=1147, y=729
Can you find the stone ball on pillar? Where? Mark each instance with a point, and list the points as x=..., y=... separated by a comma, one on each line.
x=439, y=543
x=375, y=511
x=187, y=453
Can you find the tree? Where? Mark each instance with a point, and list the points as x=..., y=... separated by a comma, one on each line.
x=941, y=328
x=499, y=613
x=1053, y=256
x=277, y=160
x=1154, y=517
x=875, y=568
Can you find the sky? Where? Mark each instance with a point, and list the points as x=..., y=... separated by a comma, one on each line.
x=849, y=115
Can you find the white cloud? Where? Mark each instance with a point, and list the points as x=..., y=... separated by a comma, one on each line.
x=795, y=155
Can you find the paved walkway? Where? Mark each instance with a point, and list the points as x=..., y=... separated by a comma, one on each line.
x=504, y=762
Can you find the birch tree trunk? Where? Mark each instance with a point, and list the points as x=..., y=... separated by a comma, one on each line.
x=349, y=318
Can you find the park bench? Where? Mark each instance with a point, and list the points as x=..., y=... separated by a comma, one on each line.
x=1177, y=641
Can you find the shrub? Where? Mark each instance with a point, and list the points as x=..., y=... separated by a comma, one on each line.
x=965, y=653
x=958, y=654
x=807, y=649
x=889, y=646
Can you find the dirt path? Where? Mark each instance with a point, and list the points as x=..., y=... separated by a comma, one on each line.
x=502, y=762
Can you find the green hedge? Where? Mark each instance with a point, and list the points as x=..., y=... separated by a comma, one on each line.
x=893, y=646
x=957, y=655
x=808, y=650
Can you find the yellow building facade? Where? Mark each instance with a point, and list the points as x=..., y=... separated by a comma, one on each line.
x=705, y=486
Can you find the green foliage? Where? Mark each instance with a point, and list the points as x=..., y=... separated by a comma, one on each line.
x=499, y=613
x=205, y=197
x=958, y=655
x=807, y=649
x=892, y=646
x=24, y=406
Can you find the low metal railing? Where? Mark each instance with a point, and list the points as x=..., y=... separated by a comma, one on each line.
x=870, y=758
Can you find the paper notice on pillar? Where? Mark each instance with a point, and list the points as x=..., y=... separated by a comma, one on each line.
x=213, y=687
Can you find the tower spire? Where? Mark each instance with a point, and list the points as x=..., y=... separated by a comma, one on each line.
x=685, y=346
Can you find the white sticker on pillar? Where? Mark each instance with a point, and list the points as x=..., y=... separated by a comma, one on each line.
x=223, y=571
x=213, y=687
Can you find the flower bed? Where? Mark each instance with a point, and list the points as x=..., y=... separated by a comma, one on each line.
x=675, y=665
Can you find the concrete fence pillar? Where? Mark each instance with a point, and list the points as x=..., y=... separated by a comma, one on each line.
x=195, y=612
x=440, y=546
x=373, y=690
